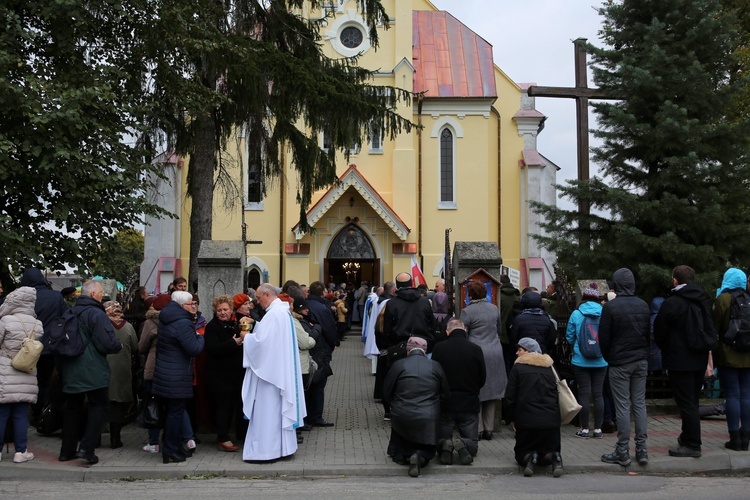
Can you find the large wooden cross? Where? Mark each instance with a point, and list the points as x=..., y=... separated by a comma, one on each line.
x=581, y=93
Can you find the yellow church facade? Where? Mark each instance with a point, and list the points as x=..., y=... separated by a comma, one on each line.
x=473, y=167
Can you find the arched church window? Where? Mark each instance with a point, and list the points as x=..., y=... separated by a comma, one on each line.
x=447, y=169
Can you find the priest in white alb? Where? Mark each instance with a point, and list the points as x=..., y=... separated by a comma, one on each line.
x=272, y=392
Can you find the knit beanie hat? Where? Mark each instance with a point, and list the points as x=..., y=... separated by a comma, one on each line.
x=240, y=299
x=591, y=292
x=161, y=301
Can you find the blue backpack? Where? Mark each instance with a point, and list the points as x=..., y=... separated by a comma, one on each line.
x=588, y=339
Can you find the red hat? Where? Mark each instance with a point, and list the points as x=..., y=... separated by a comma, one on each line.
x=240, y=299
x=161, y=301
x=149, y=301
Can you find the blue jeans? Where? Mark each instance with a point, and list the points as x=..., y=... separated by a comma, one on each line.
x=590, y=381
x=20, y=414
x=735, y=383
x=628, y=384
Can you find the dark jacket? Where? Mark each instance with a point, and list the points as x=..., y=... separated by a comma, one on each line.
x=532, y=393
x=534, y=323
x=321, y=351
x=624, y=325
x=463, y=364
x=90, y=370
x=415, y=386
x=320, y=314
x=509, y=295
x=177, y=346
x=409, y=314
x=670, y=329
x=224, y=371
x=50, y=305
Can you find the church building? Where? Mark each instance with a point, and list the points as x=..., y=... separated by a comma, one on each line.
x=473, y=168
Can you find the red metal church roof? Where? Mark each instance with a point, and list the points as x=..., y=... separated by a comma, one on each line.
x=450, y=59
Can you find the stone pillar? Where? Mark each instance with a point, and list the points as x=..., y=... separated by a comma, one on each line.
x=221, y=265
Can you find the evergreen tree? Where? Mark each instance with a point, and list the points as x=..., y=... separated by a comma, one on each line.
x=674, y=173
x=71, y=96
x=220, y=65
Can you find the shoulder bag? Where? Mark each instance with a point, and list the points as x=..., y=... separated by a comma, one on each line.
x=27, y=357
x=567, y=402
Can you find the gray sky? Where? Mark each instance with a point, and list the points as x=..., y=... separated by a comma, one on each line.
x=532, y=42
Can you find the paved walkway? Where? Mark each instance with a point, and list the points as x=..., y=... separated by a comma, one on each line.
x=357, y=445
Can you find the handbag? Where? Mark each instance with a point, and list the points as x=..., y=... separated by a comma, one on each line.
x=567, y=402
x=27, y=356
x=152, y=415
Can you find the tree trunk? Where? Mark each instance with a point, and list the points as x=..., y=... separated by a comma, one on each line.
x=201, y=189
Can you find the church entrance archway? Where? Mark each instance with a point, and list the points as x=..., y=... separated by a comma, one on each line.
x=351, y=258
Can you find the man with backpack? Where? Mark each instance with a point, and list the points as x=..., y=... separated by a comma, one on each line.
x=86, y=375
x=684, y=331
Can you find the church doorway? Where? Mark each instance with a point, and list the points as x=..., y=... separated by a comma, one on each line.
x=351, y=258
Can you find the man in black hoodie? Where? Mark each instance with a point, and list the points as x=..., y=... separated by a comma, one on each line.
x=686, y=366
x=624, y=340
x=50, y=306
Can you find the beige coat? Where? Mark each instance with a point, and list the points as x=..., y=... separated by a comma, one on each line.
x=304, y=342
x=16, y=319
x=147, y=344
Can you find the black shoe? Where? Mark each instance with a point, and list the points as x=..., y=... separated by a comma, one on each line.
x=300, y=439
x=414, y=465
x=115, y=443
x=609, y=427
x=530, y=463
x=557, y=465
x=642, y=456
x=446, y=453
x=617, y=457
x=66, y=458
x=463, y=453
x=174, y=457
x=306, y=427
x=322, y=423
x=89, y=457
x=487, y=435
x=684, y=451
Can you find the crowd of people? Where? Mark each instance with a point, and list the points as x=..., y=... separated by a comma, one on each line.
x=256, y=372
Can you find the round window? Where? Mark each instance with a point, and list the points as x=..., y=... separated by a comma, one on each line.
x=351, y=37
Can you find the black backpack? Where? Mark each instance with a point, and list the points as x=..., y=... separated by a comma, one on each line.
x=65, y=336
x=738, y=333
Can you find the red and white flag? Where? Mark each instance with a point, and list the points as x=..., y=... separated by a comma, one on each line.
x=417, y=278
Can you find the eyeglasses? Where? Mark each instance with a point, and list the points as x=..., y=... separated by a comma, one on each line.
x=191, y=304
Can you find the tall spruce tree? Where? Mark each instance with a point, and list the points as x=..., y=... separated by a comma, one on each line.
x=673, y=180
x=71, y=100
x=217, y=66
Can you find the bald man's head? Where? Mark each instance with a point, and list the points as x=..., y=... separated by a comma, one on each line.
x=403, y=280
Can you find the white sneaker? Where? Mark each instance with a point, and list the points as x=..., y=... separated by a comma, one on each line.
x=20, y=458
x=151, y=448
x=191, y=444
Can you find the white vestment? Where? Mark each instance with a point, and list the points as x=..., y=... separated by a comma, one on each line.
x=272, y=391
x=371, y=347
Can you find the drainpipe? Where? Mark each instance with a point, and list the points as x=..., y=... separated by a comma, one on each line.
x=499, y=183
x=420, y=98
x=282, y=188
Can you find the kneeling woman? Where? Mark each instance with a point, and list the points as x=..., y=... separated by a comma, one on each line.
x=534, y=412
